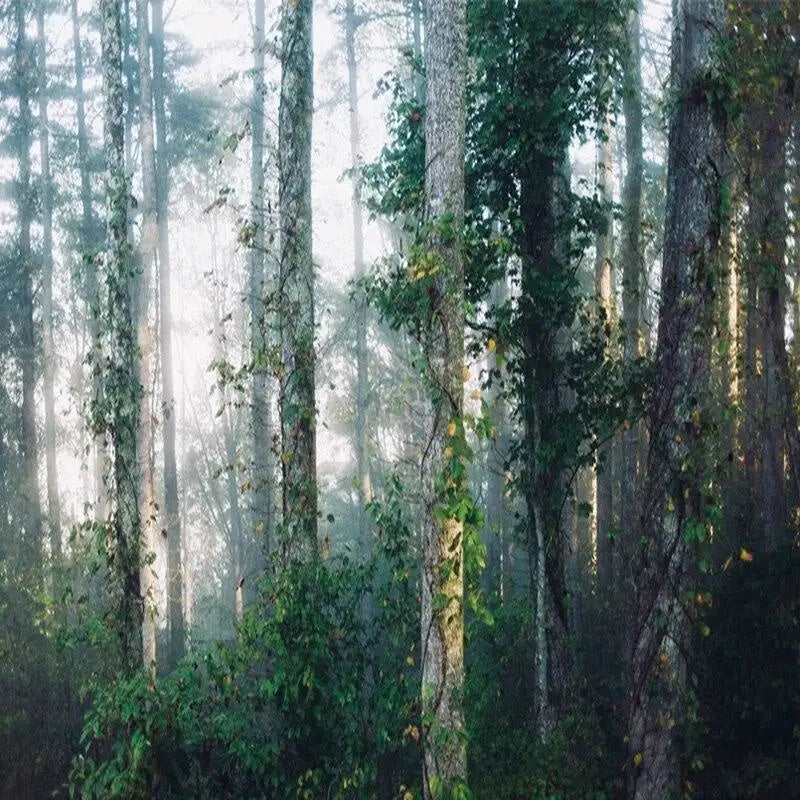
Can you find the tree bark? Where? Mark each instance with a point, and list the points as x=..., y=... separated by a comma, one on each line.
x=123, y=388
x=31, y=502
x=632, y=268
x=172, y=519
x=672, y=508
x=444, y=749
x=296, y=285
x=603, y=285
x=146, y=336
x=50, y=363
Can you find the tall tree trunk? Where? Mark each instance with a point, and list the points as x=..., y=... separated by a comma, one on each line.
x=50, y=364
x=672, y=508
x=90, y=239
x=296, y=284
x=261, y=410
x=31, y=502
x=632, y=268
x=172, y=519
x=146, y=336
x=779, y=414
x=123, y=387
x=362, y=353
x=603, y=285
x=444, y=750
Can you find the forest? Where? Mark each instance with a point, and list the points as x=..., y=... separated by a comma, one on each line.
x=400, y=399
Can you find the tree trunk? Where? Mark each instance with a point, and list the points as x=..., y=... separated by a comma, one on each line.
x=603, y=284
x=632, y=269
x=123, y=387
x=172, y=519
x=146, y=336
x=31, y=502
x=50, y=363
x=444, y=749
x=672, y=509
x=362, y=353
x=263, y=477
x=296, y=285
x=90, y=239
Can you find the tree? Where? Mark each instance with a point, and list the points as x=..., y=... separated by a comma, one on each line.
x=631, y=265
x=24, y=77
x=172, y=520
x=297, y=399
x=445, y=760
x=675, y=515
x=122, y=387
x=50, y=366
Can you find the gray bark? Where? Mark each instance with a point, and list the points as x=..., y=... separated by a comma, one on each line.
x=31, y=501
x=675, y=470
x=632, y=269
x=148, y=512
x=444, y=749
x=172, y=519
x=296, y=284
x=603, y=284
x=50, y=364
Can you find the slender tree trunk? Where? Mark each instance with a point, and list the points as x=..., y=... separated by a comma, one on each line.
x=444, y=749
x=296, y=284
x=50, y=363
x=672, y=507
x=362, y=353
x=146, y=337
x=31, y=502
x=122, y=381
x=90, y=239
x=603, y=284
x=632, y=269
x=261, y=413
x=172, y=519
x=779, y=411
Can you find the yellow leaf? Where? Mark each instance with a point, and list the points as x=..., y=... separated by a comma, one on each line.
x=637, y=760
x=448, y=452
x=745, y=555
x=705, y=630
x=491, y=345
x=465, y=374
x=476, y=394
x=451, y=429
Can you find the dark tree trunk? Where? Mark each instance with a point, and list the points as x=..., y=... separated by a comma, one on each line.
x=672, y=510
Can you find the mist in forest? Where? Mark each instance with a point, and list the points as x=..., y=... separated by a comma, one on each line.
x=399, y=399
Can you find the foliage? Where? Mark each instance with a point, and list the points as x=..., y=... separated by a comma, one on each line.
x=507, y=758
x=314, y=699
x=749, y=696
